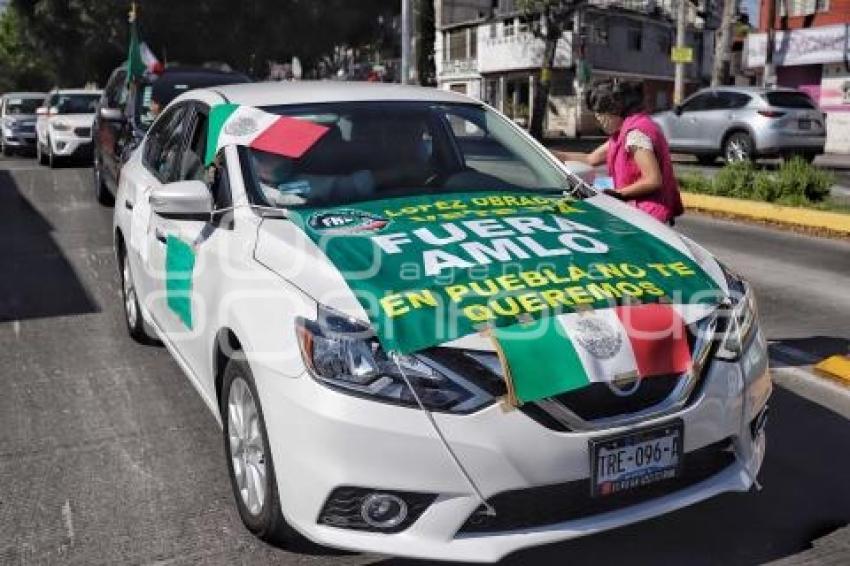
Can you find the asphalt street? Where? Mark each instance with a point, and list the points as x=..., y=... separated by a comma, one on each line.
x=107, y=455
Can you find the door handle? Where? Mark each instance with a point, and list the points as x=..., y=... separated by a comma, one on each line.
x=128, y=205
x=160, y=235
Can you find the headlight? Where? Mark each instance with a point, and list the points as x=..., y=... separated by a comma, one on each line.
x=61, y=126
x=740, y=320
x=345, y=355
x=10, y=122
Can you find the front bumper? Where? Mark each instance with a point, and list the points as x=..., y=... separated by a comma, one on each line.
x=18, y=139
x=66, y=145
x=321, y=440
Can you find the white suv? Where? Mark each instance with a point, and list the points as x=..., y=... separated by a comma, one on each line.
x=64, y=124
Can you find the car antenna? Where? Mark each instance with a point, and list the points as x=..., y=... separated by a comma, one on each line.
x=489, y=510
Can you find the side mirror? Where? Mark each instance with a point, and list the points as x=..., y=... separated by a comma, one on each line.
x=53, y=111
x=111, y=114
x=182, y=199
x=41, y=111
x=677, y=110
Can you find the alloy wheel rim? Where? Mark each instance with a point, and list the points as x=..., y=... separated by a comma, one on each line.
x=738, y=150
x=129, y=295
x=247, y=452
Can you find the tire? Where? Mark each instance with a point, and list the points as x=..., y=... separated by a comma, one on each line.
x=101, y=192
x=52, y=160
x=7, y=151
x=704, y=159
x=39, y=154
x=738, y=146
x=259, y=508
x=132, y=311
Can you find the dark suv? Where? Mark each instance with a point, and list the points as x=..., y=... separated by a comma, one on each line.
x=125, y=113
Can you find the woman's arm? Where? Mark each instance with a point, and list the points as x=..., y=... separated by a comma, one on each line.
x=650, y=176
x=594, y=158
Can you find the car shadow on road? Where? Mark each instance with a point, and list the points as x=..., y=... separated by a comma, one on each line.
x=797, y=352
x=804, y=497
x=37, y=279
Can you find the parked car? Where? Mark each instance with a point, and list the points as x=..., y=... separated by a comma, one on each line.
x=744, y=123
x=125, y=113
x=17, y=114
x=64, y=125
x=331, y=432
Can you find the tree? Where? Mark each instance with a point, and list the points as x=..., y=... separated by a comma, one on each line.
x=425, y=64
x=723, y=47
x=555, y=17
x=21, y=66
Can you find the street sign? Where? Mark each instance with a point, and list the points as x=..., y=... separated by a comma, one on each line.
x=682, y=55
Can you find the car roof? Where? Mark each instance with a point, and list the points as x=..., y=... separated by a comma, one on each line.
x=76, y=91
x=24, y=95
x=751, y=89
x=303, y=92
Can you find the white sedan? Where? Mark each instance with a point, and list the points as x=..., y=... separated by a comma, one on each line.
x=421, y=334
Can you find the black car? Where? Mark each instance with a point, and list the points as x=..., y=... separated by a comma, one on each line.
x=125, y=113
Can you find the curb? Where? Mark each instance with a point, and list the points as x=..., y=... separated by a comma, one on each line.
x=790, y=215
x=837, y=367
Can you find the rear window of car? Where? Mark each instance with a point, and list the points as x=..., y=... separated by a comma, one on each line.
x=789, y=100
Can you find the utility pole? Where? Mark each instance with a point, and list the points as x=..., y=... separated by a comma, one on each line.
x=720, y=70
x=405, y=41
x=769, y=75
x=679, y=79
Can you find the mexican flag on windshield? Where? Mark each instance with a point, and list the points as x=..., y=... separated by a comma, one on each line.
x=622, y=344
x=234, y=124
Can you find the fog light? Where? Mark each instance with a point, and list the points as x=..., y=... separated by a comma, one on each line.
x=60, y=145
x=383, y=510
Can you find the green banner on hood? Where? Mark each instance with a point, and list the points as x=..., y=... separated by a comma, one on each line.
x=430, y=269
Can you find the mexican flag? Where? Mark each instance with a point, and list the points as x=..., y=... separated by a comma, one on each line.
x=152, y=64
x=559, y=354
x=234, y=124
x=135, y=64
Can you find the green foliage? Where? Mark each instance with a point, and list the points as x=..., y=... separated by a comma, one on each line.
x=795, y=183
x=72, y=42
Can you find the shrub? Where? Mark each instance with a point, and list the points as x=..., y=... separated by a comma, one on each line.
x=796, y=182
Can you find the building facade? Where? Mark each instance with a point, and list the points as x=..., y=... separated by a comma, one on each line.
x=812, y=53
x=486, y=49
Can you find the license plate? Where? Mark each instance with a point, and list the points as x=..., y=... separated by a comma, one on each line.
x=635, y=459
x=805, y=124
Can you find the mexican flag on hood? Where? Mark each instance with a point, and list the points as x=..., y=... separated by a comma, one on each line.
x=234, y=124
x=430, y=269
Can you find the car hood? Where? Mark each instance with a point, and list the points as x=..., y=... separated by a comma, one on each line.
x=285, y=249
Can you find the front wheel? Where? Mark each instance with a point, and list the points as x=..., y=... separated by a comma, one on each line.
x=132, y=310
x=249, y=459
x=52, y=159
x=739, y=146
x=39, y=154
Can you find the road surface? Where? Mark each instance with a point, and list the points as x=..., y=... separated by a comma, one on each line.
x=107, y=455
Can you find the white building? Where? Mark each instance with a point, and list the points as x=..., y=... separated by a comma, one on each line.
x=485, y=48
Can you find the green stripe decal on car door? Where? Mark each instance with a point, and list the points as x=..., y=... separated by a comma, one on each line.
x=179, y=264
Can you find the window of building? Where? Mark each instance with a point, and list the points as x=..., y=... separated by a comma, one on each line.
x=597, y=32
x=456, y=41
x=634, y=37
x=796, y=8
x=473, y=43
x=510, y=28
x=494, y=31
x=665, y=43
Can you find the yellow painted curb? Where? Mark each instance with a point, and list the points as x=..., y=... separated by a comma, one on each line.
x=837, y=367
x=818, y=219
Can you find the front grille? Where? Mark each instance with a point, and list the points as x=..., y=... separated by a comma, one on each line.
x=29, y=129
x=82, y=132
x=342, y=509
x=547, y=505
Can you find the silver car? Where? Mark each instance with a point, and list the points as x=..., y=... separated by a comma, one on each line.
x=17, y=118
x=742, y=123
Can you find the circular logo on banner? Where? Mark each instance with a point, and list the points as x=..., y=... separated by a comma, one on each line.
x=598, y=337
x=347, y=222
x=241, y=126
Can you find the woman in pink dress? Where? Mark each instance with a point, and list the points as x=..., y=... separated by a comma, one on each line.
x=636, y=151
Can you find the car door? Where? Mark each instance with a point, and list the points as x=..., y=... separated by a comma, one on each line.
x=155, y=169
x=108, y=132
x=685, y=124
x=193, y=254
x=718, y=115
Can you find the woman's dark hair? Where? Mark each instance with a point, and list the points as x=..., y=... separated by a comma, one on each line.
x=613, y=96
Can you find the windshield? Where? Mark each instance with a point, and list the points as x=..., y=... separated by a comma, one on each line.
x=76, y=103
x=17, y=106
x=388, y=149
